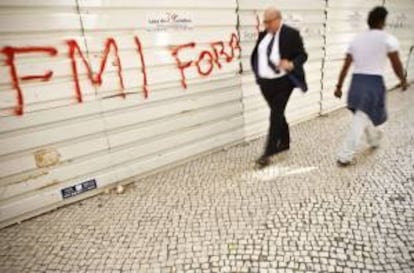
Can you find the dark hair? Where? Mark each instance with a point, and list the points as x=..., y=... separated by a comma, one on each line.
x=376, y=17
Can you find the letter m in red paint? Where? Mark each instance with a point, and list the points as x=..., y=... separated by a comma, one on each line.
x=94, y=78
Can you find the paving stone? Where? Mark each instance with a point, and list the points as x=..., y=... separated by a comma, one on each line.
x=219, y=214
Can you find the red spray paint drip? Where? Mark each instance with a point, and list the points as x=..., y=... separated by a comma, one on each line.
x=143, y=66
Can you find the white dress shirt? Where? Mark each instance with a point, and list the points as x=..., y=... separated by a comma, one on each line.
x=265, y=71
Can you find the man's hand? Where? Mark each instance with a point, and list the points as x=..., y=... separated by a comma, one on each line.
x=338, y=92
x=286, y=65
x=342, y=75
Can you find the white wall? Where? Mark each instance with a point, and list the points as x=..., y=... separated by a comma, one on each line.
x=401, y=24
x=104, y=132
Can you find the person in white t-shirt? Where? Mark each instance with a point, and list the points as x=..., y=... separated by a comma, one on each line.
x=368, y=52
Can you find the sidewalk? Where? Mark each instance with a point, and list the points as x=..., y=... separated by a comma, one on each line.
x=219, y=214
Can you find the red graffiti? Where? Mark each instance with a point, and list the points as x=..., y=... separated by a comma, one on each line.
x=181, y=66
x=42, y=78
x=97, y=78
x=220, y=52
x=210, y=63
x=234, y=44
x=143, y=66
x=205, y=62
x=10, y=53
x=213, y=57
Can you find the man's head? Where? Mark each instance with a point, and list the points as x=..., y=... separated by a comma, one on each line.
x=377, y=17
x=272, y=19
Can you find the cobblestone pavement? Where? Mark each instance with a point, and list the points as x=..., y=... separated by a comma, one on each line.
x=218, y=214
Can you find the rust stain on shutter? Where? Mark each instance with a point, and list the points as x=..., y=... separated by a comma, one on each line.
x=47, y=157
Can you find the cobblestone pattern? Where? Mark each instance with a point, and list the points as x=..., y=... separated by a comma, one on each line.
x=219, y=214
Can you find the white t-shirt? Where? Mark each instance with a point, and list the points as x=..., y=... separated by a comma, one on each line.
x=369, y=51
x=264, y=69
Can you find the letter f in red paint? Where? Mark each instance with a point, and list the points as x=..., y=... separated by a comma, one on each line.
x=10, y=53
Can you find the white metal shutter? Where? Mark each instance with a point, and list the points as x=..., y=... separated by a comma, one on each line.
x=309, y=19
x=47, y=129
x=400, y=22
x=59, y=141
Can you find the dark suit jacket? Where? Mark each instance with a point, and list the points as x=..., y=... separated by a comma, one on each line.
x=291, y=48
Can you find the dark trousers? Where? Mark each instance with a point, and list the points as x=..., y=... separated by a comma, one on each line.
x=276, y=93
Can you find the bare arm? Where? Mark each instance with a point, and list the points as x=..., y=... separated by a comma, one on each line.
x=398, y=68
x=342, y=75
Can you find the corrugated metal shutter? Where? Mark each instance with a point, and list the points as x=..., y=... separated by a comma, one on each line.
x=345, y=19
x=42, y=127
x=309, y=19
x=134, y=118
x=400, y=22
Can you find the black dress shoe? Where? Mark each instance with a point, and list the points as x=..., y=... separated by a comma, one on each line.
x=344, y=164
x=263, y=161
x=283, y=148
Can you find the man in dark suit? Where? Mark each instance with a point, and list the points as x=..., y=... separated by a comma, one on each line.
x=277, y=62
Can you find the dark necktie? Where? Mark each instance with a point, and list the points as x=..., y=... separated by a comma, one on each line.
x=269, y=52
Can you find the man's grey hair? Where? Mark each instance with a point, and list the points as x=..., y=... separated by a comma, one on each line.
x=272, y=12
